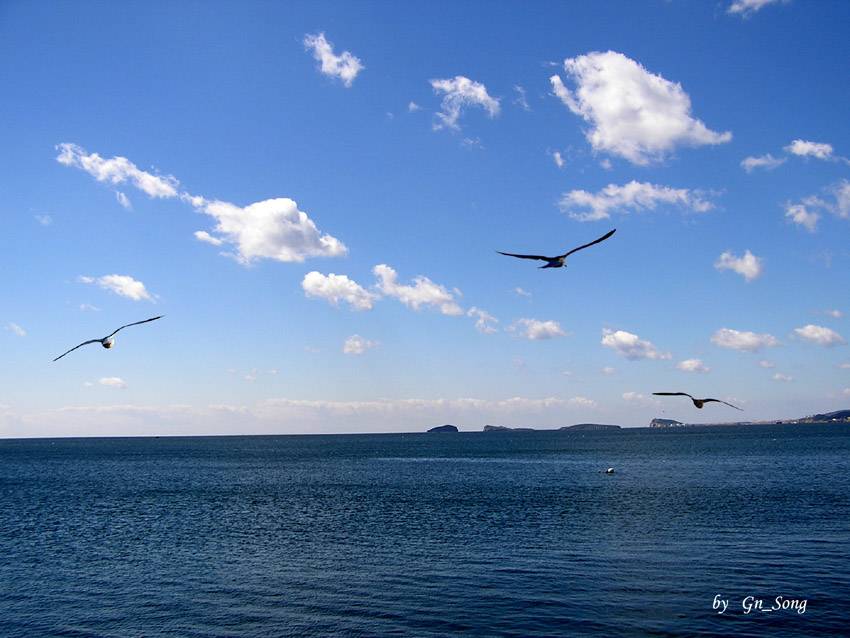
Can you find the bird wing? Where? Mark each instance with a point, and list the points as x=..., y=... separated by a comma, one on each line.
x=527, y=256
x=85, y=343
x=673, y=394
x=136, y=323
x=595, y=241
x=723, y=402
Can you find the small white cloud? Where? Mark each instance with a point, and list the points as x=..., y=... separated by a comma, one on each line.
x=782, y=377
x=767, y=365
x=818, y=334
x=204, y=236
x=631, y=346
x=44, y=220
x=748, y=7
x=582, y=402
x=749, y=265
x=608, y=371
x=484, y=320
x=692, y=365
x=837, y=314
x=521, y=98
x=334, y=288
x=640, y=399
x=17, y=329
x=843, y=366
x=122, y=285
x=743, y=341
x=123, y=200
x=461, y=92
x=800, y=215
x=118, y=170
x=413, y=106
x=633, y=113
x=559, y=159
x=345, y=66
x=113, y=382
x=767, y=162
x=423, y=292
x=538, y=330
x=356, y=344
x=803, y=148
x=523, y=293
x=585, y=206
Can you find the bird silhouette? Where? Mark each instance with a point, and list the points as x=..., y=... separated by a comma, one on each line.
x=107, y=341
x=697, y=402
x=558, y=261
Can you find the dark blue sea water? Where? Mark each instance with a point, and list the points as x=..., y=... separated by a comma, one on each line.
x=473, y=534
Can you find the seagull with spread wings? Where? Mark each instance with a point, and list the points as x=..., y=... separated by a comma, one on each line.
x=697, y=402
x=107, y=341
x=558, y=261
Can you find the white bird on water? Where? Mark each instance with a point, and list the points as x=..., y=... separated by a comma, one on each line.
x=697, y=402
x=558, y=261
x=107, y=341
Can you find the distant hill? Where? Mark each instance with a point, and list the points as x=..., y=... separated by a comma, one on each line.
x=502, y=428
x=664, y=423
x=590, y=426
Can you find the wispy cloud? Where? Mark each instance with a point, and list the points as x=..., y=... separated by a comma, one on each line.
x=538, y=330
x=16, y=329
x=585, y=206
x=356, y=344
x=336, y=288
x=122, y=285
x=819, y=335
x=634, y=114
x=460, y=93
x=423, y=292
x=113, y=382
x=484, y=322
x=746, y=8
x=743, y=341
x=117, y=170
x=767, y=162
x=631, y=346
x=802, y=216
x=750, y=266
x=344, y=67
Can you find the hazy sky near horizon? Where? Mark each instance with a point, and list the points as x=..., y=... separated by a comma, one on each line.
x=313, y=194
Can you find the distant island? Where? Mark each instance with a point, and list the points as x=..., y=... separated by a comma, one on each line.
x=585, y=427
x=444, y=428
x=502, y=428
x=839, y=416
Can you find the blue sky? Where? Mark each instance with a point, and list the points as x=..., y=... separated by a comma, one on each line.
x=313, y=194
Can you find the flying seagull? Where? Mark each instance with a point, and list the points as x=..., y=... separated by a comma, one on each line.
x=697, y=402
x=107, y=341
x=558, y=262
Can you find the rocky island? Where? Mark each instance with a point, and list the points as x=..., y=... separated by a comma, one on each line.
x=444, y=428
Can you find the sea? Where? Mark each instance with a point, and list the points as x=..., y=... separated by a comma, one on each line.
x=699, y=531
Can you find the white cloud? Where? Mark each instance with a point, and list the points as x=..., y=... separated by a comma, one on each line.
x=345, y=66
x=521, y=98
x=272, y=229
x=641, y=399
x=743, y=341
x=631, y=346
x=113, y=382
x=748, y=7
x=118, y=170
x=692, y=365
x=832, y=313
x=123, y=200
x=538, y=330
x=460, y=93
x=585, y=206
x=423, y=292
x=522, y=292
x=337, y=287
x=799, y=214
x=749, y=265
x=767, y=365
x=841, y=190
x=122, y=285
x=356, y=344
x=559, y=159
x=484, y=320
x=204, y=236
x=44, y=220
x=17, y=329
x=633, y=113
x=767, y=162
x=803, y=148
x=782, y=377
x=582, y=402
x=818, y=334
